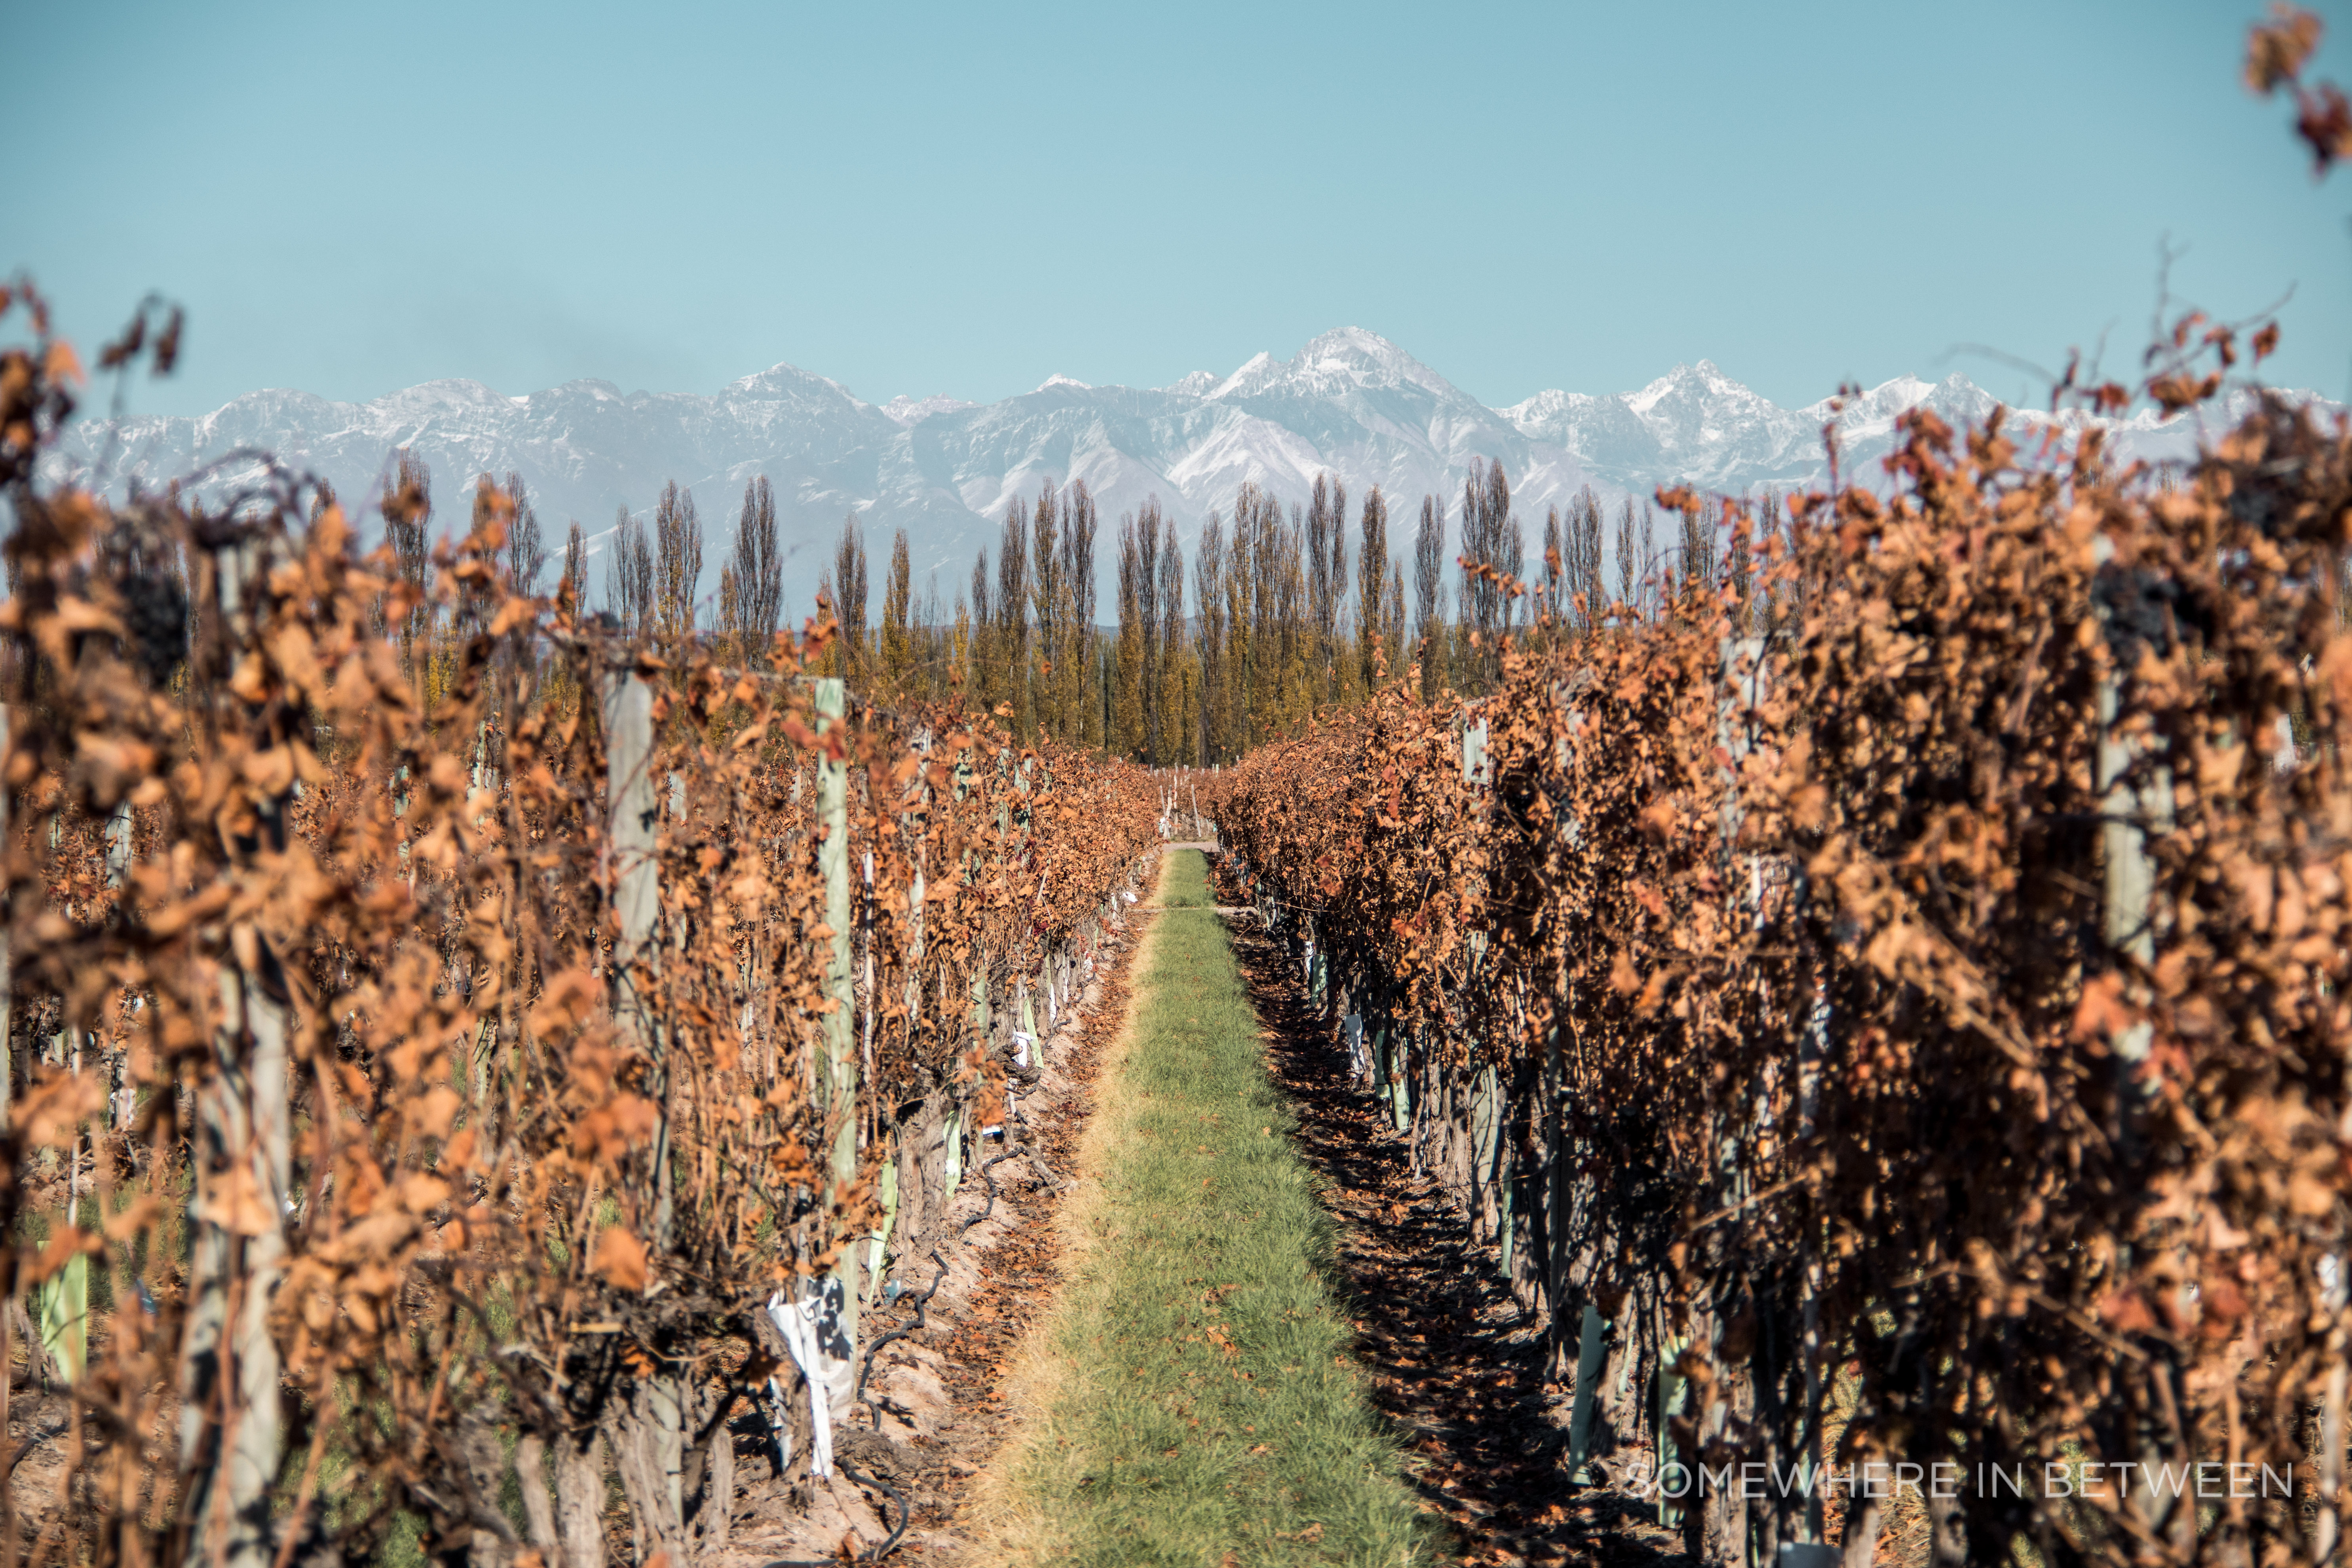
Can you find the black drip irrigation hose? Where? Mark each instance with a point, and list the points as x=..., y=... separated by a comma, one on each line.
x=866, y=1370
x=879, y=1553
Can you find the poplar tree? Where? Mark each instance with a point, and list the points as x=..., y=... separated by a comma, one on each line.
x=1581, y=563
x=629, y=576
x=1490, y=539
x=1078, y=578
x=1209, y=592
x=1126, y=674
x=1281, y=631
x=733, y=642
x=470, y=611
x=574, y=583
x=1428, y=570
x=677, y=565
x=525, y=546
x=1633, y=561
x=849, y=605
x=1291, y=626
x=407, y=507
x=1146, y=607
x=757, y=571
x=1556, y=609
x=1392, y=618
x=1697, y=552
x=1011, y=652
x=1266, y=599
x=898, y=634
x=1168, y=662
x=1371, y=582
x=1784, y=601
x=1046, y=597
x=1326, y=583
x=979, y=653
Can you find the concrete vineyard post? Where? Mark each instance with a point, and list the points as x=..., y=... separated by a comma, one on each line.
x=840, y=1033
x=628, y=716
x=237, y=1258
x=118, y=1105
x=2129, y=810
x=1591, y=1352
x=649, y=1445
x=1724, y=1523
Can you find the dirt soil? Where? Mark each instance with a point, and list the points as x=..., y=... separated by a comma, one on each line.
x=937, y=1391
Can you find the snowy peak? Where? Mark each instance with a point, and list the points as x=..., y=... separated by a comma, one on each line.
x=1253, y=377
x=1349, y=360
x=1956, y=399
x=790, y=383
x=1351, y=403
x=1684, y=383
x=906, y=410
x=1699, y=392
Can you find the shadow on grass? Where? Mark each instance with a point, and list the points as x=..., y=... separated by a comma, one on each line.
x=1456, y=1365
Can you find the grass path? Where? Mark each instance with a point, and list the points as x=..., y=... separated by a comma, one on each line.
x=1190, y=1399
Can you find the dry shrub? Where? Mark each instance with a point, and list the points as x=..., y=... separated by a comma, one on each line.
x=465, y=1160
x=1801, y=920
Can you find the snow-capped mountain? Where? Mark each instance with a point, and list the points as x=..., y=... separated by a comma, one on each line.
x=1351, y=403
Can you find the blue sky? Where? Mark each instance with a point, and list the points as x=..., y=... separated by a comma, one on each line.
x=921, y=198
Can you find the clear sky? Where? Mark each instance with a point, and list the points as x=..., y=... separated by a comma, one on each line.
x=965, y=199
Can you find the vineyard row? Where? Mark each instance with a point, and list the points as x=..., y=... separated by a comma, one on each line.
x=412, y=1102
x=1890, y=1008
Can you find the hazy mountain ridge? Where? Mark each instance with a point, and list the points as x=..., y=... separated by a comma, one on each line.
x=1350, y=402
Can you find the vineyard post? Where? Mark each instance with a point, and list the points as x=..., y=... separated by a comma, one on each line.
x=2129, y=810
x=865, y=973
x=1812, y=1051
x=1592, y=1329
x=951, y=1124
x=241, y=1117
x=1732, y=1401
x=627, y=704
x=887, y=1182
x=917, y=941
x=2328, y=1527
x=1591, y=1354
x=118, y=874
x=626, y=708
x=840, y=1032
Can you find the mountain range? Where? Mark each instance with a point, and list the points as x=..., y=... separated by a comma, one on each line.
x=1351, y=402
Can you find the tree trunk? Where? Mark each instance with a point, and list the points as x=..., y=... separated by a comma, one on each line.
x=580, y=1501
x=712, y=1468
x=649, y=1453
x=538, y=1506
x=490, y=1540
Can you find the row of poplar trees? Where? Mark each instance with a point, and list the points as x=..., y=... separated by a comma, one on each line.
x=1281, y=611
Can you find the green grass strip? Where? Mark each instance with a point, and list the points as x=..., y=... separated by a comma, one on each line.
x=1203, y=1410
